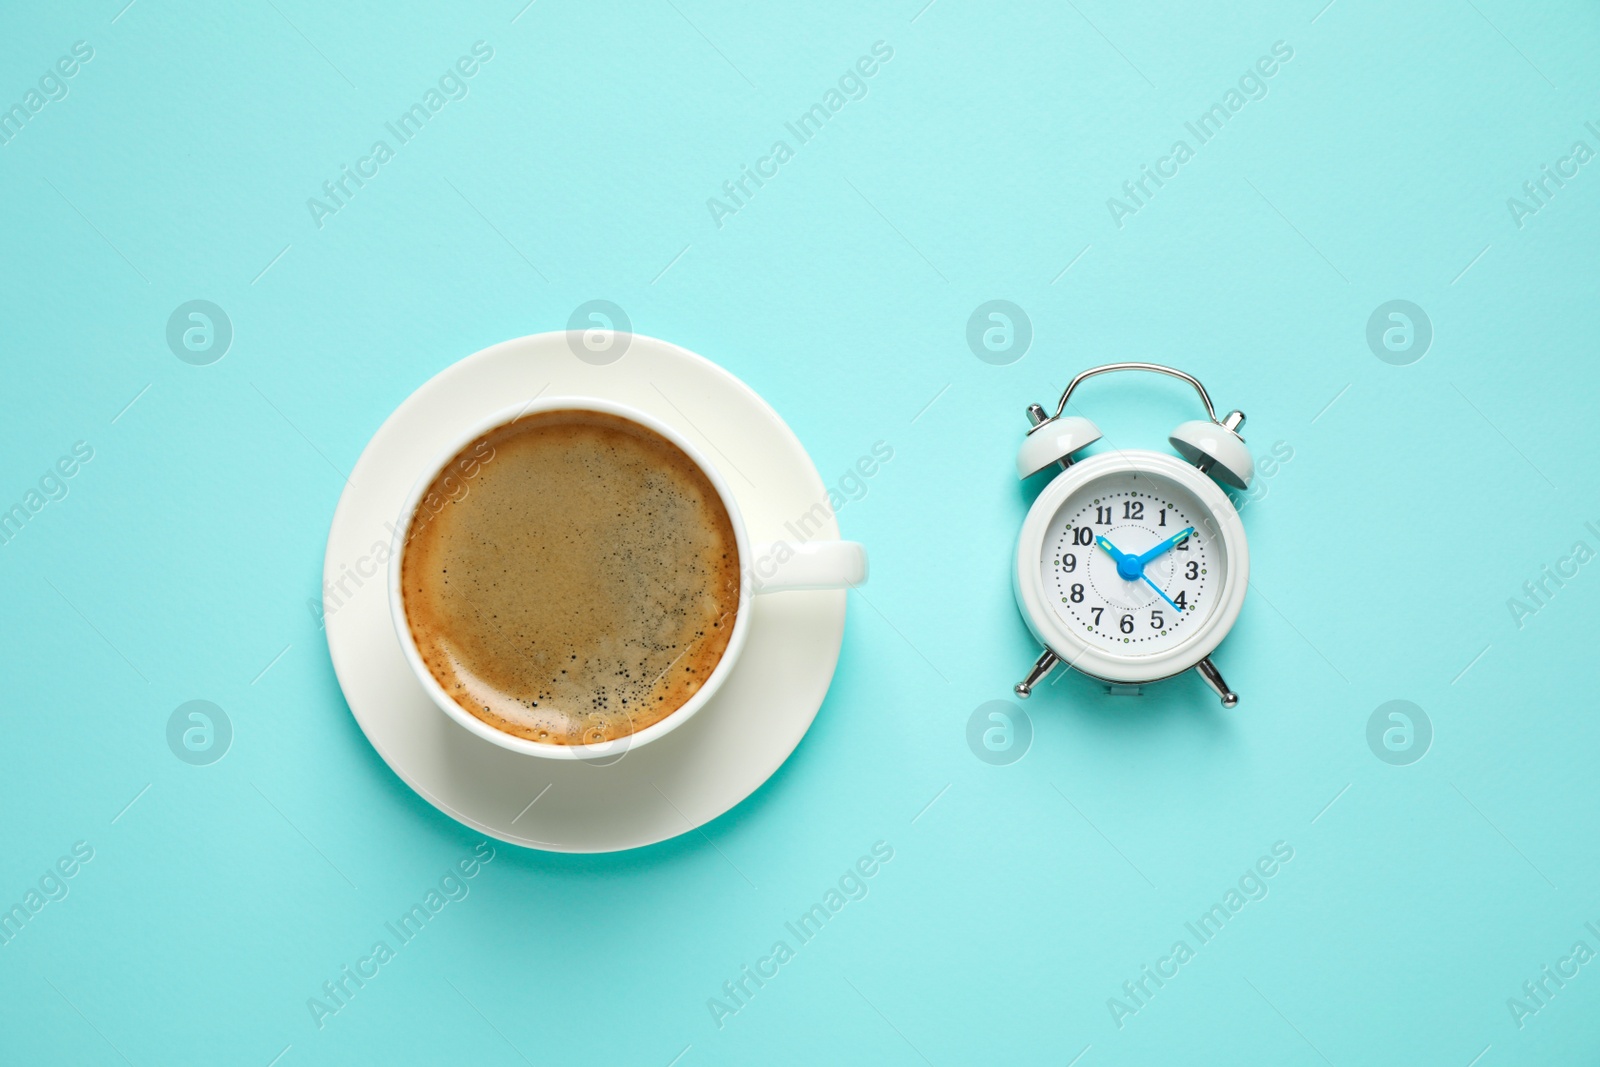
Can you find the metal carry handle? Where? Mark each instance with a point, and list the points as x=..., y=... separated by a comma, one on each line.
x=1157, y=368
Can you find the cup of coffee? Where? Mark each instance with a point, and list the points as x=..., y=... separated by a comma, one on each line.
x=572, y=578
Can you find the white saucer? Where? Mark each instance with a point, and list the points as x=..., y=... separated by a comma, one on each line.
x=672, y=785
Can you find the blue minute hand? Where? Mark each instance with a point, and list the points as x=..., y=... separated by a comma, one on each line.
x=1170, y=542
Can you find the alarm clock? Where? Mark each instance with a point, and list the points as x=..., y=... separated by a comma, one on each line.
x=1132, y=565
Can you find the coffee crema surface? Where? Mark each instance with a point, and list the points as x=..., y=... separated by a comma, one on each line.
x=581, y=584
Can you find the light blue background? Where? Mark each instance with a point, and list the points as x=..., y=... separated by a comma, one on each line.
x=977, y=167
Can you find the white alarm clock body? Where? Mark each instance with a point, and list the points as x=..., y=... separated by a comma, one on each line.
x=1132, y=565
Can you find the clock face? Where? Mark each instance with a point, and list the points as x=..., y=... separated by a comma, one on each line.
x=1119, y=571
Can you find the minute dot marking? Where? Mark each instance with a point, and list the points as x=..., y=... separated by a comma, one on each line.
x=1193, y=602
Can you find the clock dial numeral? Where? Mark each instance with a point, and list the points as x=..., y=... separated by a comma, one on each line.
x=1126, y=516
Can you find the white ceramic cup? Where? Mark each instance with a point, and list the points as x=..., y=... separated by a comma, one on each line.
x=763, y=568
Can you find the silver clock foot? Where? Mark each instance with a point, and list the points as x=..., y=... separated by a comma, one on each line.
x=1213, y=677
x=1041, y=667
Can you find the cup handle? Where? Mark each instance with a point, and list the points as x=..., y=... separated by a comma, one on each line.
x=780, y=566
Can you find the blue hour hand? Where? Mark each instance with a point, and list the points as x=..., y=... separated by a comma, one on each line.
x=1115, y=552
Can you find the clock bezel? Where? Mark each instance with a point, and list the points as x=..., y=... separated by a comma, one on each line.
x=1070, y=647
